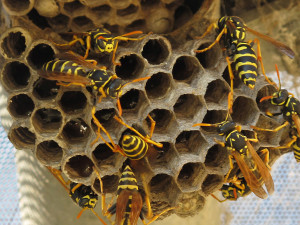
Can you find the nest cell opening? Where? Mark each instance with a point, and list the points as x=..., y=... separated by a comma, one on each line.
x=189, y=204
x=21, y=137
x=37, y=19
x=59, y=22
x=103, y=155
x=15, y=75
x=211, y=182
x=110, y=184
x=47, y=120
x=216, y=156
x=132, y=66
x=182, y=15
x=164, y=154
x=49, y=152
x=237, y=82
x=162, y=117
x=155, y=51
x=209, y=58
x=132, y=101
x=20, y=105
x=158, y=85
x=193, y=5
x=72, y=7
x=17, y=5
x=161, y=183
x=212, y=117
x=131, y=9
x=83, y=23
x=190, y=142
x=216, y=92
x=73, y=101
x=76, y=131
x=244, y=111
x=39, y=55
x=185, y=68
x=267, y=90
x=79, y=166
x=45, y=89
x=14, y=44
x=190, y=176
x=105, y=117
x=136, y=25
x=102, y=11
x=187, y=106
x=114, y=29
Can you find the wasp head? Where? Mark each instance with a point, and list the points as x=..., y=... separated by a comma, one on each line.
x=280, y=97
x=115, y=88
x=106, y=44
x=225, y=127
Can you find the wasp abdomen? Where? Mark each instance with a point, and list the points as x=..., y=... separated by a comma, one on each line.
x=64, y=66
x=134, y=147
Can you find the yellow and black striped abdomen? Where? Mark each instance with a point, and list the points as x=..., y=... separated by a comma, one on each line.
x=127, y=181
x=65, y=67
x=245, y=62
x=134, y=147
x=296, y=149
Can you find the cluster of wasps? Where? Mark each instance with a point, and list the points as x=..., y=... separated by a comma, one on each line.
x=253, y=169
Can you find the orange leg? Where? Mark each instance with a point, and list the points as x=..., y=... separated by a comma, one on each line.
x=224, y=31
x=215, y=197
x=114, y=54
x=210, y=27
x=69, y=84
x=88, y=46
x=230, y=95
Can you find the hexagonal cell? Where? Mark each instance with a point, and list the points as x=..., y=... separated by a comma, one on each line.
x=110, y=184
x=17, y=6
x=182, y=15
x=15, y=75
x=244, y=110
x=189, y=204
x=120, y=4
x=131, y=9
x=103, y=155
x=158, y=85
x=39, y=55
x=156, y=51
x=14, y=44
x=185, y=68
x=161, y=183
x=217, y=157
x=190, y=176
x=163, y=119
x=105, y=117
x=47, y=120
x=20, y=106
x=82, y=23
x=22, y=138
x=132, y=66
x=49, y=152
x=79, y=166
x=102, y=11
x=264, y=106
x=76, y=131
x=59, y=23
x=45, y=89
x=237, y=81
x=73, y=101
x=136, y=25
x=190, y=142
x=210, y=58
x=37, y=19
x=212, y=117
x=164, y=154
x=211, y=182
x=73, y=7
x=267, y=137
x=132, y=100
x=187, y=106
x=216, y=92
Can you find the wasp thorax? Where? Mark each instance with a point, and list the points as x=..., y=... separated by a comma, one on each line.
x=114, y=88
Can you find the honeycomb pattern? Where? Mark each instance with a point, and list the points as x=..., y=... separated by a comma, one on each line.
x=185, y=88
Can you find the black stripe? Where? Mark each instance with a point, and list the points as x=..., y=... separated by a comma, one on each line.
x=244, y=59
x=247, y=67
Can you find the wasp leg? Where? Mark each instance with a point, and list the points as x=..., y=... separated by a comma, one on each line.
x=103, y=206
x=231, y=167
x=210, y=27
x=88, y=46
x=266, y=157
x=153, y=123
x=271, y=130
x=220, y=143
x=215, y=197
x=288, y=145
x=57, y=174
x=224, y=31
x=157, y=216
x=125, y=38
x=76, y=187
x=69, y=84
x=230, y=95
x=71, y=43
x=114, y=54
x=96, y=214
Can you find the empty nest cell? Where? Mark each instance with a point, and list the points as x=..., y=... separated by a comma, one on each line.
x=190, y=176
x=81, y=23
x=18, y=7
x=15, y=75
x=164, y=155
x=73, y=7
x=76, y=131
x=158, y=85
x=132, y=66
x=156, y=51
x=212, y=117
x=211, y=182
x=20, y=106
x=190, y=142
x=216, y=92
x=39, y=55
x=163, y=119
x=182, y=15
x=267, y=90
x=78, y=167
x=22, y=137
x=132, y=101
x=73, y=102
x=210, y=58
x=110, y=184
x=128, y=11
x=45, y=89
x=161, y=183
x=245, y=115
x=59, y=23
x=103, y=155
x=14, y=44
x=47, y=120
x=185, y=68
x=136, y=25
x=49, y=153
x=187, y=106
x=216, y=157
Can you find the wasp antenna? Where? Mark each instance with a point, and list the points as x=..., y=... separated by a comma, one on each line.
x=265, y=98
x=277, y=71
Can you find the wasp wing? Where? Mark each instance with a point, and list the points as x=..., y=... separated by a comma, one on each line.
x=122, y=202
x=282, y=47
x=263, y=170
x=64, y=77
x=250, y=178
x=296, y=120
x=136, y=207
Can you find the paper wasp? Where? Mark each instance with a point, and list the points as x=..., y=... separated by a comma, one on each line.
x=233, y=30
x=129, y=205
x=82, y=195
x=238, y=186
x=248, y=161
x=290, y=111
x=100, y=40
